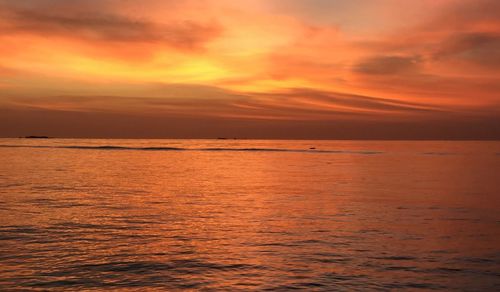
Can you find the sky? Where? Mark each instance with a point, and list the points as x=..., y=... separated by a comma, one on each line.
x=283, y=69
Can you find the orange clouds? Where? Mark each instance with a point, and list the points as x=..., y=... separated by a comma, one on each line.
x=287, y=60
x=105, y=27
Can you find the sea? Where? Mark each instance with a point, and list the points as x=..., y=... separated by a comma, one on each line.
x=249, y=215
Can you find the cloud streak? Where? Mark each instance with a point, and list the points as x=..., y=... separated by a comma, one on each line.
x=389, y=65
x=106, y=26
x=193, y=100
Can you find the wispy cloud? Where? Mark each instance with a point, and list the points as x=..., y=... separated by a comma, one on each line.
x=104, y=26
x=387, y=65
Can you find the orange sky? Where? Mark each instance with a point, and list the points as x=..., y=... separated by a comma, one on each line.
x=250, y=68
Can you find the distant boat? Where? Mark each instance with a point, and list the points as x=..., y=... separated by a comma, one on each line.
x=37, y=137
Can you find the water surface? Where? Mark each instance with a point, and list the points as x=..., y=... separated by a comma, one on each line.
x=249, y=215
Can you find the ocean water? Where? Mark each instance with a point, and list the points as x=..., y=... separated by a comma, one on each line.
x=249, y=215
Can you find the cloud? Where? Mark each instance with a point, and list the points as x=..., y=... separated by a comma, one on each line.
x=331, y=105
x=190, y=100
x=482, y=49
x=389, y=65
x=467, y=15
x=22, y=122
x=104, y=26
x=450, y=58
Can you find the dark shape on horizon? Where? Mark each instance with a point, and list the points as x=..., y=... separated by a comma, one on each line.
x=312, y=148
x=37, y=137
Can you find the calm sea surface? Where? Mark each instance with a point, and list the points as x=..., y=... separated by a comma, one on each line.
x=249, y=215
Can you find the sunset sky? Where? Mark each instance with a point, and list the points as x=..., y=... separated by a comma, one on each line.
x=386, y=69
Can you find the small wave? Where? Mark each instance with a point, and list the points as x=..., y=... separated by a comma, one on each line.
x=121, y=148
x=397, y=258
x=112, y=147
x=413, y=285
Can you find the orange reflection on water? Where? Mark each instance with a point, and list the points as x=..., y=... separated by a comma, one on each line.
x=406, y=214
